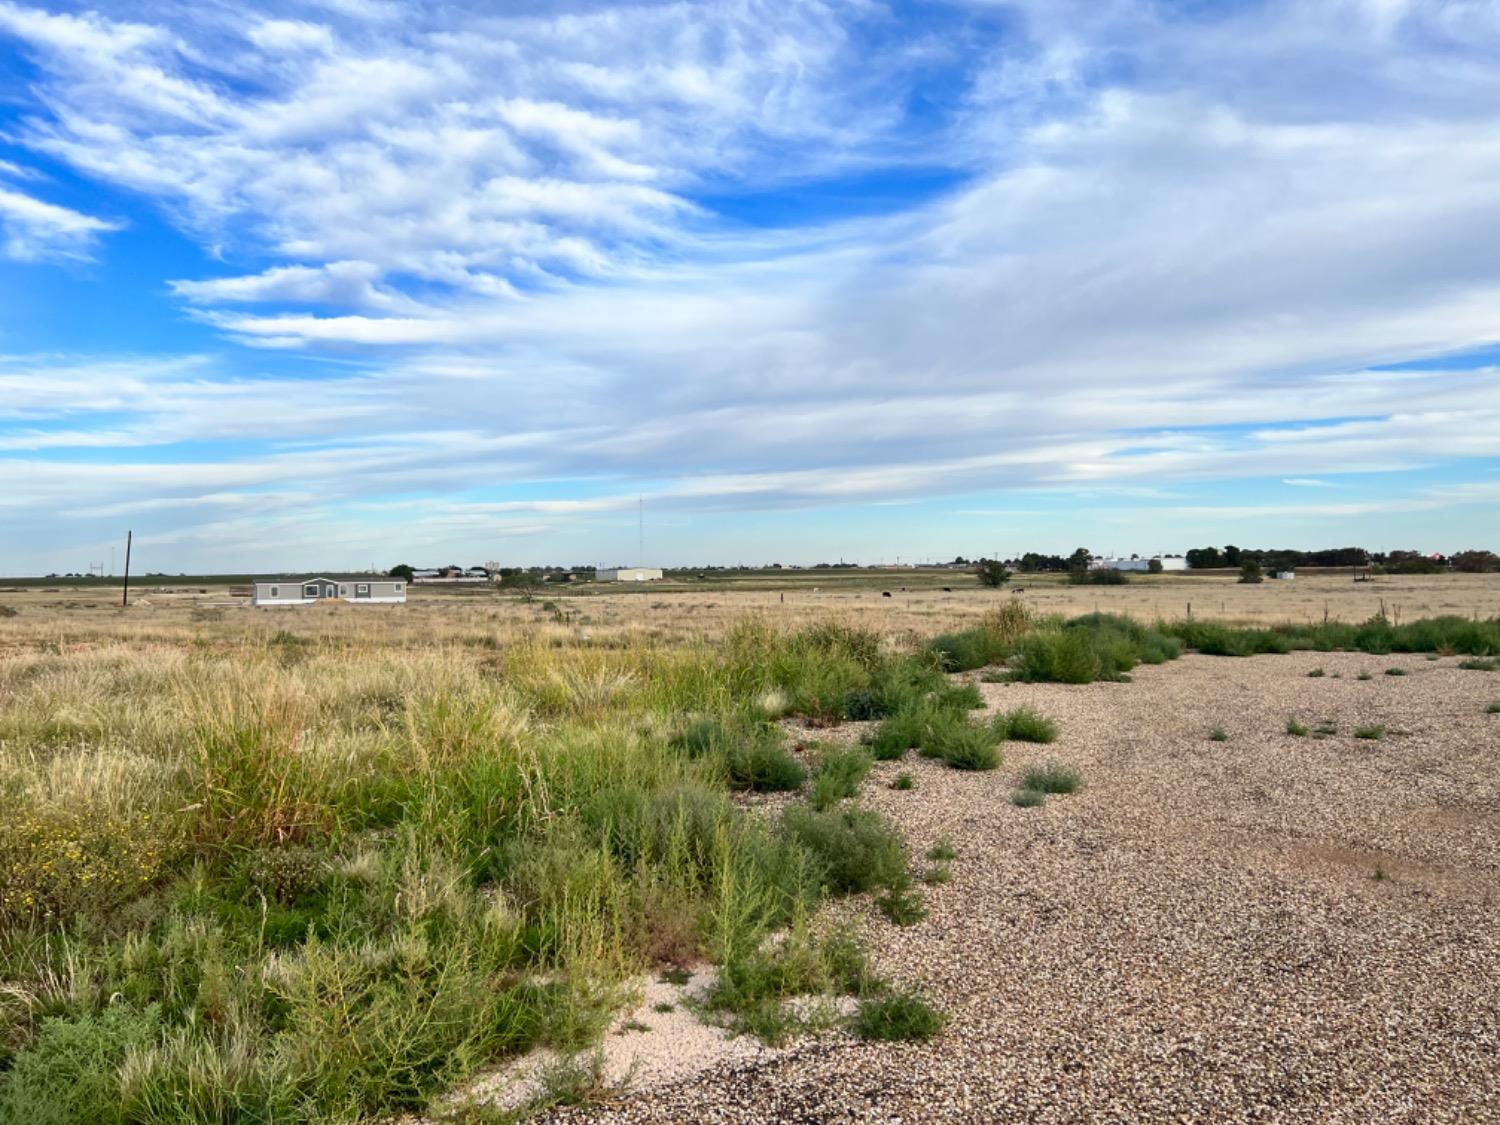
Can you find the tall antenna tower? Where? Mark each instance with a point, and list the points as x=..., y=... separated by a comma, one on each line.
x=640, y=531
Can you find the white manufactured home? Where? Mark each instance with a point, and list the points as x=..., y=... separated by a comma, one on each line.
x=628, y=574
x=307, y=591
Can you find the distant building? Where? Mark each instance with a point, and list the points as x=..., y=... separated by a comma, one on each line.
x=628, y=574
x=1168, y=562
x=1284, y=575
x=307, y=591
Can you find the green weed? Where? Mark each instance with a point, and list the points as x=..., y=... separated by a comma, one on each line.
x=1053, y=777
x=838, y=775
x=897, y=1016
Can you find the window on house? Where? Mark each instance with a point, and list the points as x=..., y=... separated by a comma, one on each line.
x=276, y=591
x=309, y=591
x=398, y=587
x=362, y=588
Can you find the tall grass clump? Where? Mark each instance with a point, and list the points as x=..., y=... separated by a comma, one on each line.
x=750, y=753
x=1052, y=777
x=989, y=642
x=1377, y=635
x=303, y=878
x=1097, y=646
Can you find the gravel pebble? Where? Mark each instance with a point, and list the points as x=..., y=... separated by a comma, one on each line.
x=1199, y=933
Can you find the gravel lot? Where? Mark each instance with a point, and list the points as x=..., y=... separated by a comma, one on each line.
x=1199, y=934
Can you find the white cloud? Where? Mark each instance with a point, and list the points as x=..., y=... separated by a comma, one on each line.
x=353, y=284
x=1176, y=250
x=35, y=229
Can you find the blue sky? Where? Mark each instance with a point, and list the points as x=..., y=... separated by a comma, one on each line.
x=326, y=285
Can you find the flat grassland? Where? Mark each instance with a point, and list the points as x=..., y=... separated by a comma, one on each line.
x=338, y=863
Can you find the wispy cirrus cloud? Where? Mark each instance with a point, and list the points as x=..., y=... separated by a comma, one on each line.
x=34, y=229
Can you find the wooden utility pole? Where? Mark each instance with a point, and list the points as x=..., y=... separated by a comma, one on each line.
x=125, y=594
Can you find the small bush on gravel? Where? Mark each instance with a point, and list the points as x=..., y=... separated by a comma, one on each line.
x=901, y=1015
x=938, y=732
x=1296, y=729
x=1493, y=708
x=961, y=697
x=1479, y=665
x=858, y=848
x=1364, y=676
x=1026, y=724
x=1395, y=671
x=1053, y=777
x=1324, y=729
x=942, y=851
x=763, y=765
x=1371, y=734
x=924, y=723
x=904, y=782
x=1316, y=673
x=902, y=905
x=1027, y=798
x=939, y=873
x=839, y=772
x=968, y=747
x=1218, y=734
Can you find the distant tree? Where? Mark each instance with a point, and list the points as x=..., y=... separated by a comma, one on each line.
x=402, y=570
x=1204, y=558
x=522, y=582
x=1080, y=559
x=993, y=573
x=1154, y=566
x=1250, y=571
x=1409, y=562
x=1104, y=576
x=1476, y=562
x=1233, y=556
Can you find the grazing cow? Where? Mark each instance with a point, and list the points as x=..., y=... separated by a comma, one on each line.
x=1019, y=590
x=947, y=589
x=885, y=593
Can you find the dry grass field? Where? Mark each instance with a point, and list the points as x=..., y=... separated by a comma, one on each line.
x=345, y=863
x=173, y=613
